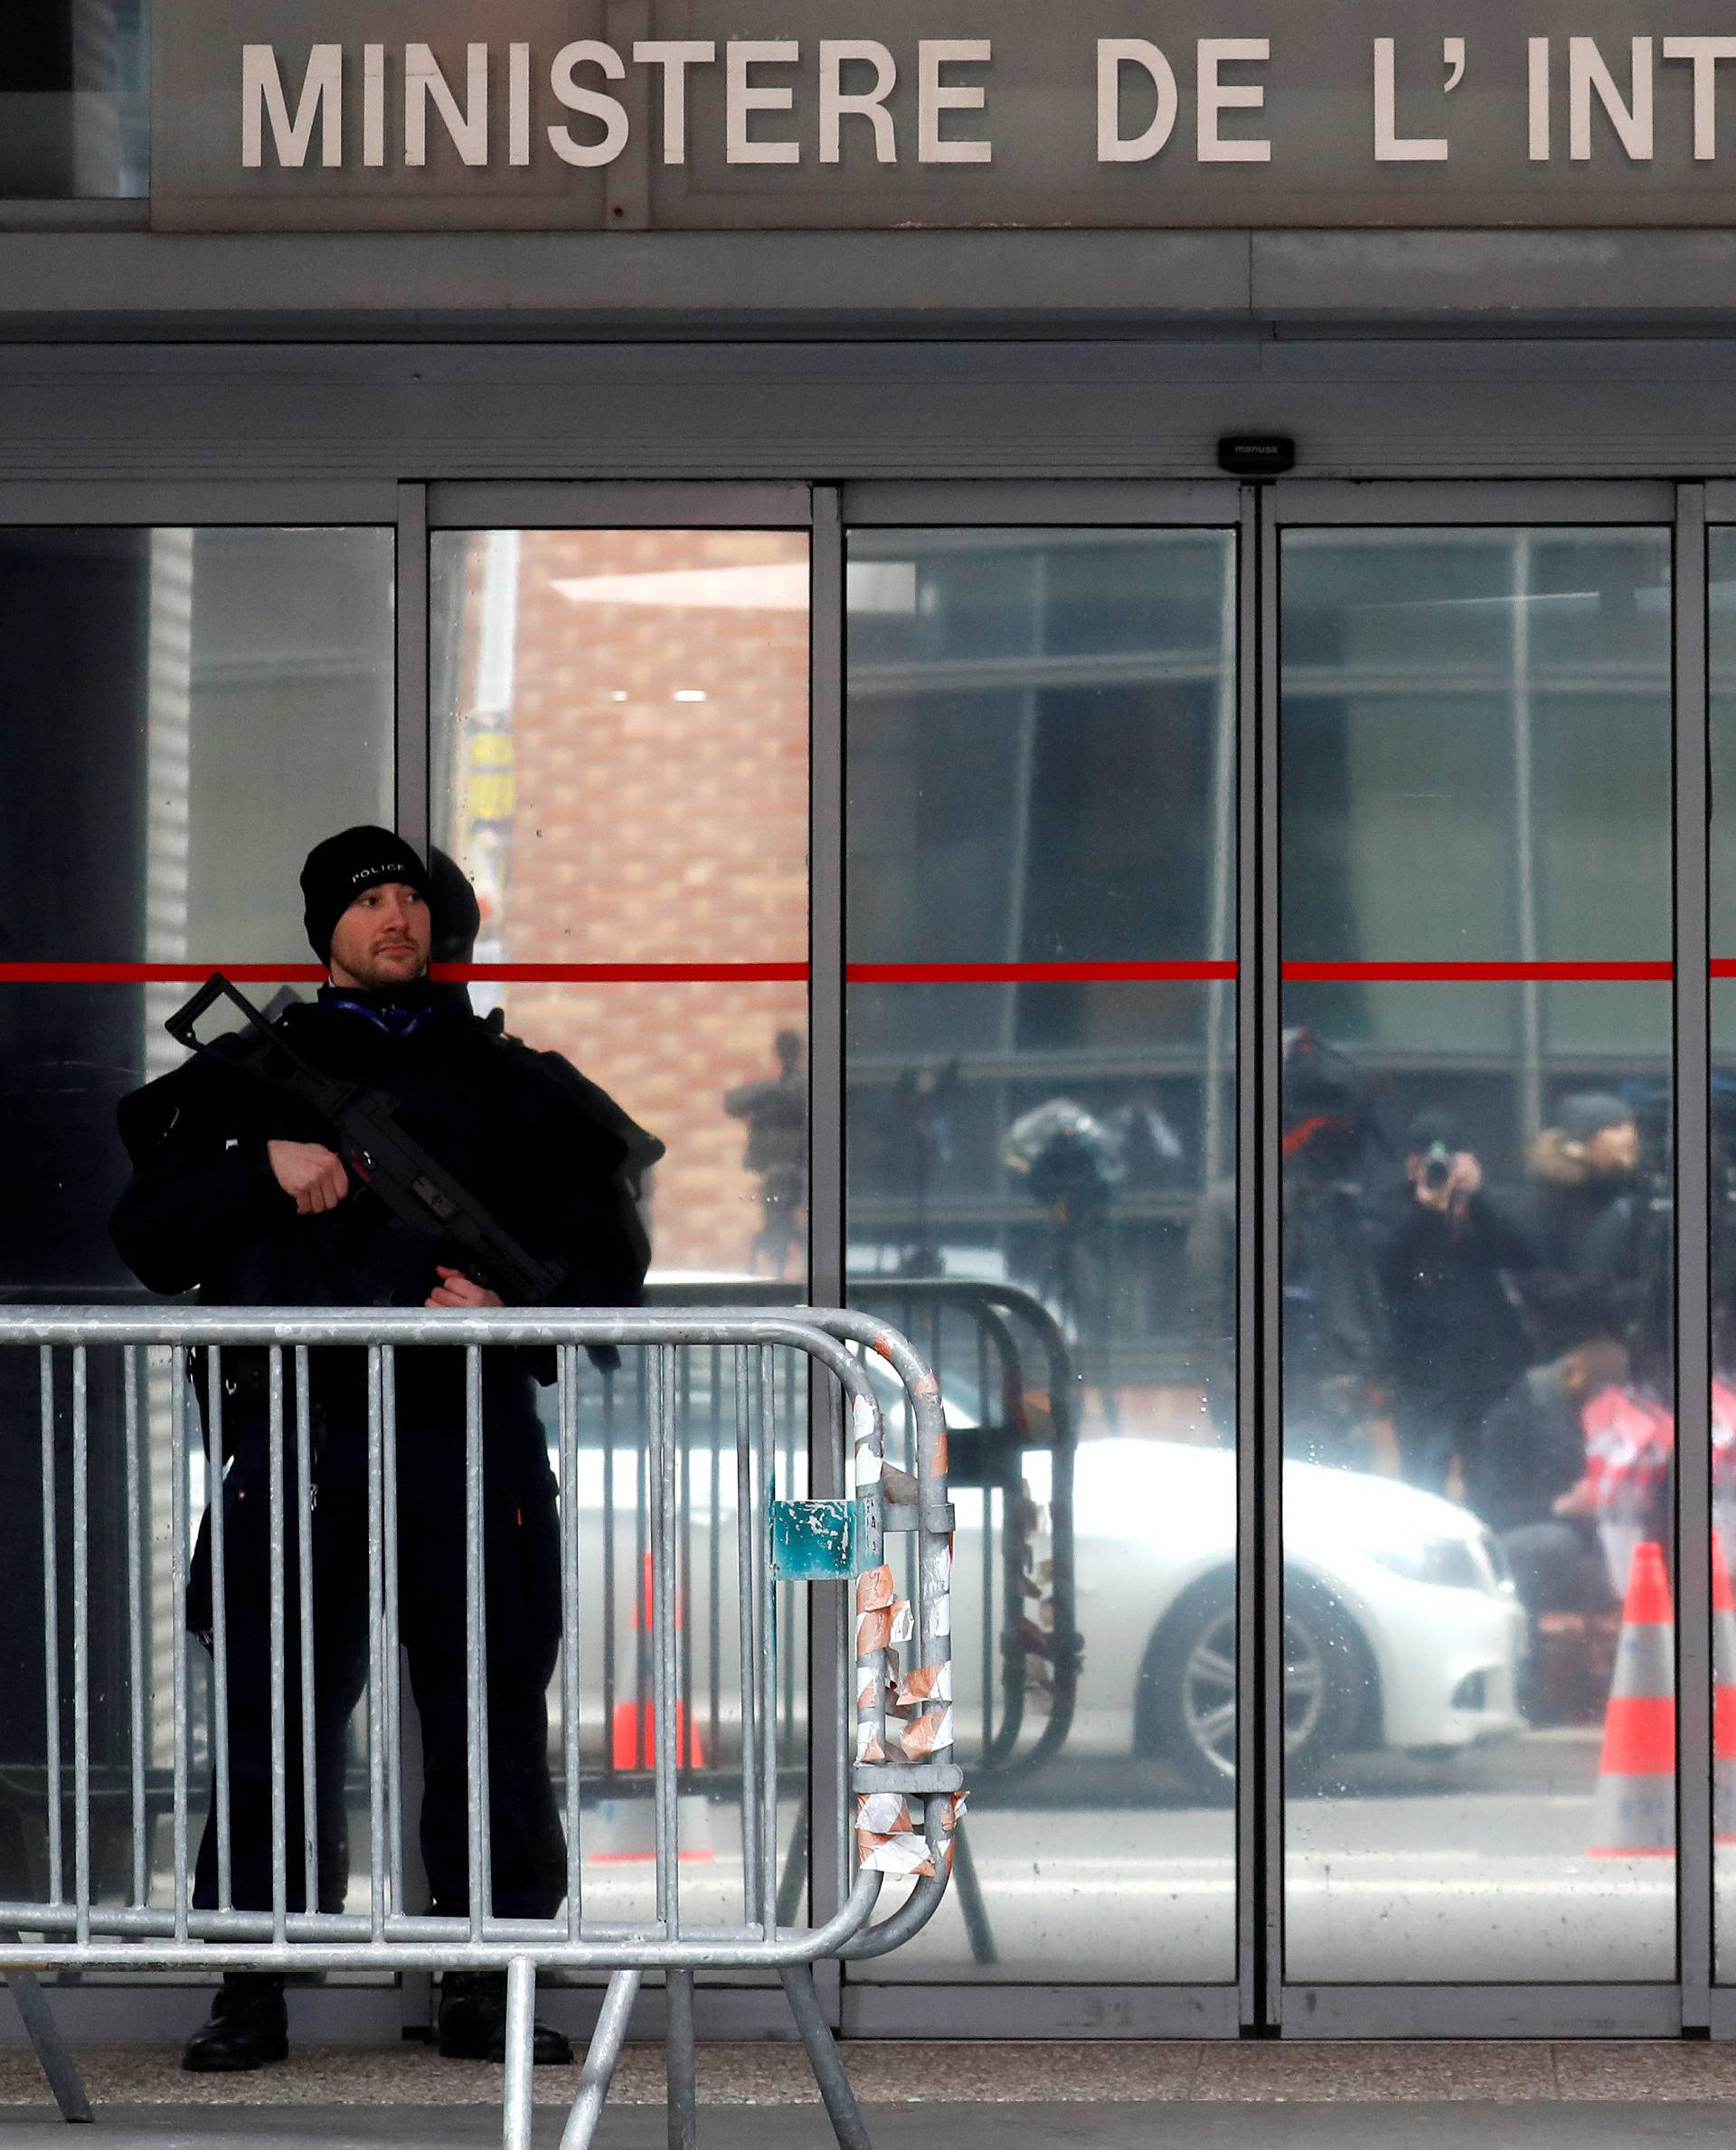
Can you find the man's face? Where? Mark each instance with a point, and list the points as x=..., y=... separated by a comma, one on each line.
x=1613, y=1150
x=383, y=939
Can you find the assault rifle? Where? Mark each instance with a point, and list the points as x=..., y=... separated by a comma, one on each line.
x=411, y=1185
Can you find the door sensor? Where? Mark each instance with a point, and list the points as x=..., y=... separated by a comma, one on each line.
x=1256, y=455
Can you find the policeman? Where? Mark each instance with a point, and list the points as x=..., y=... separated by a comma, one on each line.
x=237, y=1191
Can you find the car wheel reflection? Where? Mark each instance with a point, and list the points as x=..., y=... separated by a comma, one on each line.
x=1187, y=1712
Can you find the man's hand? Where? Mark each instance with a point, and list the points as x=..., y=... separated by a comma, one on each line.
x=456, y=1290
x=1464, y=1179
x=312, y=1175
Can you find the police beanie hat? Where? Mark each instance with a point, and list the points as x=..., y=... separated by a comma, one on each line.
x=1589, y=1112
x=341, y=868
x=457, y=915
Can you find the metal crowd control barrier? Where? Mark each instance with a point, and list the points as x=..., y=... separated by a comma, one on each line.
x=982, y=1339
x=902, y=1717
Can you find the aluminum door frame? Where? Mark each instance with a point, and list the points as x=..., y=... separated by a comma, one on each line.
x=738, y=2008
x=1260, y=2002
x=1688, y=2004
x=158, y=2011
x=972, y=2008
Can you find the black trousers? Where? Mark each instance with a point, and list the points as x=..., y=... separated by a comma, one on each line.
x=521, y=1602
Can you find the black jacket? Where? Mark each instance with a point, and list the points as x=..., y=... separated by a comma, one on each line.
x=1455, y=1338
x=552, y=1158
x=1581, y=1280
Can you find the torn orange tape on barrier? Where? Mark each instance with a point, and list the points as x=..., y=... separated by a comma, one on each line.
x=898, y=1851
x=886, y=1624
x=875, y=1589
x=926, y=1684
x=922, y=1735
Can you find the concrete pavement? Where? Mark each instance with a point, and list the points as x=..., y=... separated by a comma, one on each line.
x=1460, y=2127
x=1459, y=2095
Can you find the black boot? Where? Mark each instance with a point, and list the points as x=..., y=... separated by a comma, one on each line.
x=473, y=2023
x=249, y=2026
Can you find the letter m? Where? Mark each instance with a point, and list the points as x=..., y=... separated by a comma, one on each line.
x=322, y=99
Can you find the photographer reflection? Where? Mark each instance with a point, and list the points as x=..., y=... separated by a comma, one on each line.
x=1575, y=1458
x=1334, y=1332
x=1455, y=1340
x=776, y=1112
x=1582, y=1216
x=1069, y=1165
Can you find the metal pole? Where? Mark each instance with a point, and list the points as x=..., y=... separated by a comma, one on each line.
x=605, y=2043
x=80, y=1642
x=1691, y=1254
x=828, y=1613
x=135, y=1618
x=376, y=1647
x=1531, y=1004
x=219, y=1624
x=520, y=2031
x=1221, y=939
x=1246, y=1356
x=305, y=1558
x=51, y=1630
x=751, y=1844
x=412, y=812
x=1259, y=1311
x=825, y=2058
x=394, y=1671
x=280, y=1684
x=567, y=1364
x=765, y=1643
x=681, y=2062
x=53, y=2053
x=475, y=1676
x=664, y=1639
x=178, y=1624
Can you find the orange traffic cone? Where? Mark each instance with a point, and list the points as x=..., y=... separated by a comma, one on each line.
x=1723, y=1702
x=1635, y=1818
x=633, y=1734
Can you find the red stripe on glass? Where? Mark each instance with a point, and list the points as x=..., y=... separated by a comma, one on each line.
x=299, y=974
x=1027, y=974
x=1426, y=974
x=623, y=974
x=157, y=974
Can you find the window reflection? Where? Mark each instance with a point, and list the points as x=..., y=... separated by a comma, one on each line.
x=1041, y=762
x=74, y=100
x=620, y=763
x=1476, y=1286
x=1721, y=620
x=185, y=712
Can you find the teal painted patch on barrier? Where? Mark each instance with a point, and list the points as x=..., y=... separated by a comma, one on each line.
x=813, y=1541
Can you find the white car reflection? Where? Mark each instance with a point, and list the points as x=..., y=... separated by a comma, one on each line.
x=1401, y=1628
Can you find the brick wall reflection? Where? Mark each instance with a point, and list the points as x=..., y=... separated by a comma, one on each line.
x=628, y=782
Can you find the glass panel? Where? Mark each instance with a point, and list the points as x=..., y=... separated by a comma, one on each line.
x=75, y=99
x=1042, y=761
x=185, y=713
x=620, y=763
x=1722, y=606
x=1477, y=1300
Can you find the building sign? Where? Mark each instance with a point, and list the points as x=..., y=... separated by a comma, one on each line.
x=694, y=115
